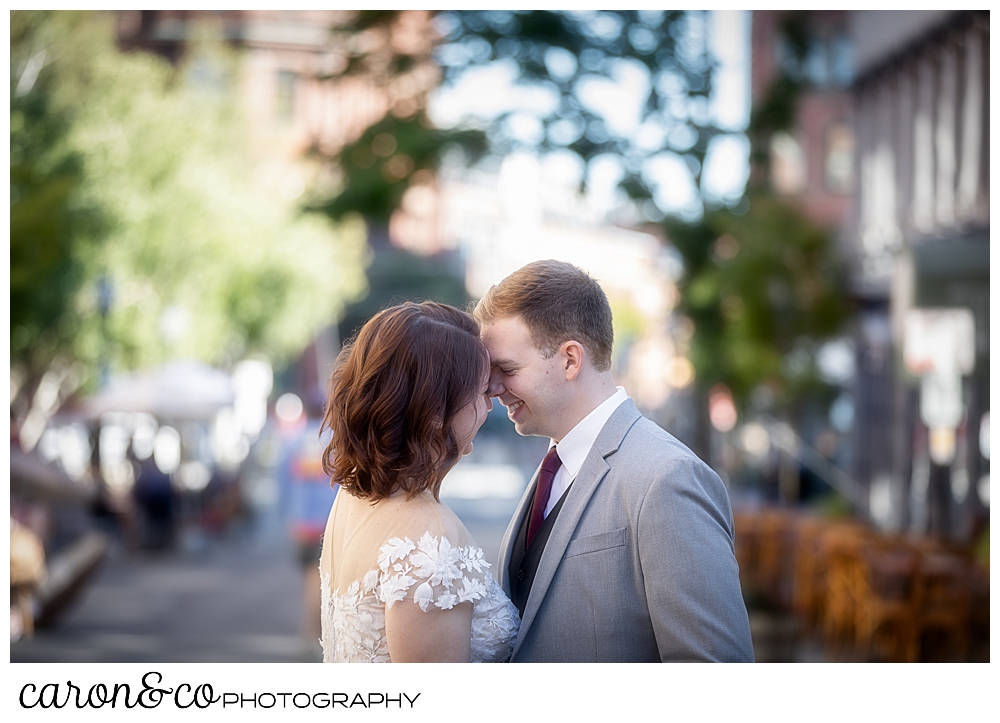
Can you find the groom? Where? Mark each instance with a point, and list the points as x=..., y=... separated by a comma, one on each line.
x=621, y=549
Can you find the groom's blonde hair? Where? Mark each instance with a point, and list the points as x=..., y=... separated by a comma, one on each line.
x=558, y=302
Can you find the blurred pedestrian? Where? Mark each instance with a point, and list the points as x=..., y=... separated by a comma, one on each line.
x=307, y=496
x=155, y=497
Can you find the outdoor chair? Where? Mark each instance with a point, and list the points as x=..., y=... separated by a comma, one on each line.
x=776, y=556
x=887, y=587
x=841, y=549
x=943, y=615
x=809, y=595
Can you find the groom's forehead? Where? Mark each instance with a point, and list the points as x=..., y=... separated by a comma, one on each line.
x=516, y=357
x=509, y=329
x=509, y=337
x=502, y=362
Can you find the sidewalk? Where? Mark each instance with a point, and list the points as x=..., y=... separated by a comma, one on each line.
x=778, y=638
x=237, y=598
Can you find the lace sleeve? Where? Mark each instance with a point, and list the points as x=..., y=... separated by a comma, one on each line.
x=431, y=572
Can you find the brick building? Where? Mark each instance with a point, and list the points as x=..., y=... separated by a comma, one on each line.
x=810, y=162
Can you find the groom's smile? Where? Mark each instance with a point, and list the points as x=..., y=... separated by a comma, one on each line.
x=513, y=407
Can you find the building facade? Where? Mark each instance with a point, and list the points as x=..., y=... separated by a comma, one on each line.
x=918, y=242
x=809, y=162
x=886, y=144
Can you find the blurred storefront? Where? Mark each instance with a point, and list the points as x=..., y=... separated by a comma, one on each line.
x=160, y=452
x=886, y=146
x=919, y=249
x=904, y=576
x=803, y=132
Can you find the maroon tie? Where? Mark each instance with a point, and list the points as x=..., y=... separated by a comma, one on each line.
x=543, y=489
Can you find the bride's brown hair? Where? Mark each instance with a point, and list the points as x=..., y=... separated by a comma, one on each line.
x=393, y=395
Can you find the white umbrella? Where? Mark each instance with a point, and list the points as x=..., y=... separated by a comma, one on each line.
x=176, y=390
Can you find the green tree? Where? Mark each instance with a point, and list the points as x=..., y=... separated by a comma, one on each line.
x=763, y=285
x=759, y=312
x=561, y=54
x=764, y=289
x=51, y=221
x=127, y=170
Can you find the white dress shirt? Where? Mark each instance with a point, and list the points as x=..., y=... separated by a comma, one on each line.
x=575, y=446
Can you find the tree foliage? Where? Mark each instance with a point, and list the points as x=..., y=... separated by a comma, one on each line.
x=380, y=166
x=127, y=170
x=563, y=54
x=51, y=221
x=764, y=285
x=759, y=311
x=764, y=289
x=563, y=51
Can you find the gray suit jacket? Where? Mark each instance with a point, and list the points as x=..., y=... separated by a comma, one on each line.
x=639, y=565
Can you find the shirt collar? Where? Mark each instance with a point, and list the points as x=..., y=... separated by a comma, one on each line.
x=575, y=446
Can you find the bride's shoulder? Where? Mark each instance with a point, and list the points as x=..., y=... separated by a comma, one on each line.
x=429, y=556
x=423, y=515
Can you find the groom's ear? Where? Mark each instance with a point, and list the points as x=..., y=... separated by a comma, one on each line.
x=571, y=357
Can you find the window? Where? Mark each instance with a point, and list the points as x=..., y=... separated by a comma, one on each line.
x=284, y=96
x=841, y=61
x=826, y=61
x=788, y=165
x=838, y=158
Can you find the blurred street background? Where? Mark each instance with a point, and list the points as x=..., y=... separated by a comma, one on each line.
x=789, y=211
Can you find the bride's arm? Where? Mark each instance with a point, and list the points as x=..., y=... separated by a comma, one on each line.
x=434, y=636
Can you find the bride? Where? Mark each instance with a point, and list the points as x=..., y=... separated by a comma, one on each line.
x=402, y=579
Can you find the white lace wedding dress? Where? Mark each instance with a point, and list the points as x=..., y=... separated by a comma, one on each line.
x=404, y=552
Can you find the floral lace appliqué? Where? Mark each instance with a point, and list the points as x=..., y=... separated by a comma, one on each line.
x=431, y=572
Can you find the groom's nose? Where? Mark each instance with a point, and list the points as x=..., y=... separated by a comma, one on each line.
x=496, y=385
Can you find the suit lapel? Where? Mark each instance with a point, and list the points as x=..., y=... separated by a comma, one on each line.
x=594, y=469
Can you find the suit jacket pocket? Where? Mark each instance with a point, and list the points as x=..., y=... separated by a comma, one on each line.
x=596, y=543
